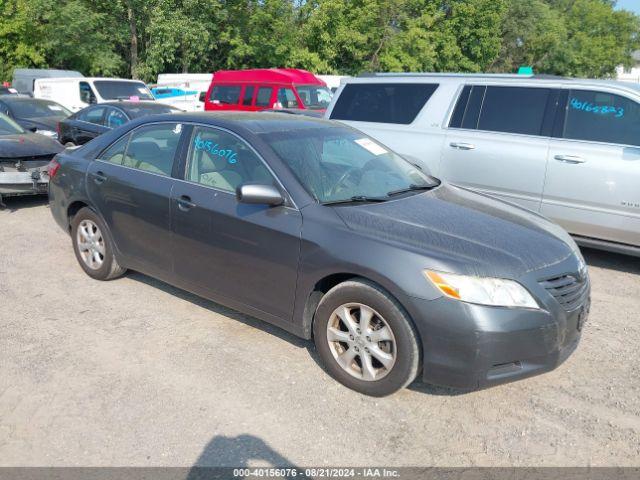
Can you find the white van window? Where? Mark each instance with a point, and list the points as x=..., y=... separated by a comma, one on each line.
x=86, y=93
x=382, y=102
x=602, y=117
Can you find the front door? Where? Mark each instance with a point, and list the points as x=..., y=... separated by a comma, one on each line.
x=131, y=184
x=496, y=142
x=593, y=178
x=227, y=250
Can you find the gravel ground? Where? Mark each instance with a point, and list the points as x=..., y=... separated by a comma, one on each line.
x=135, y=372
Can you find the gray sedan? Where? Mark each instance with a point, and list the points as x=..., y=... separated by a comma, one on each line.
x=317, y=228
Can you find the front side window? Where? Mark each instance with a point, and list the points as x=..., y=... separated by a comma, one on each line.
x=221, y=160
x=397, y=103
x=286, y=98
x=263, y=99
x=602, y=117
x=115, y=118
x=86, y=93
x=122, y=90
x=514, y=110
x=93, y=115
x=152, y=148
x=225, y=94
x=314, y=97
x=115, y=153
x=337, y=164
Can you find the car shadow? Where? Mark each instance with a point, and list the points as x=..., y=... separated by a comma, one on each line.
x=238, y=452
x=13, y=204
x=219, y=309
x=611, y=261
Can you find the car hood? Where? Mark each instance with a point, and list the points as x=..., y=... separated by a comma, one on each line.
x=27, y=145
x=41, y=123
x=464, y=232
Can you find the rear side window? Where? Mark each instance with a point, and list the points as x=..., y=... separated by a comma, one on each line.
x=264, y=97
x=467, y=110
x=602, y=117
x=115, y=153
x=397, y=103
x=248, y=96
x=153, y=148
x=93, y=115
x=226, y=94
x=514, y=110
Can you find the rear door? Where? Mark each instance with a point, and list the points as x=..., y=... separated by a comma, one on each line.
x=87, y=125
x=498, y=140
x=130, y=184
x=224, y=249
x=593, y=178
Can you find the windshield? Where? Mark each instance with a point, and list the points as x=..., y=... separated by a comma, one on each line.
x=337, y=164
x=119, y=90
x=28, y=108
x=8, y=126
x=314, y=97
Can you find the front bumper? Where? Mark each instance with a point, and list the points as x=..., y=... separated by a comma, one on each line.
x=29, y=182
x=469, y=346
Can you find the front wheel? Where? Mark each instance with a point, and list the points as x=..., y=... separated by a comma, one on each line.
x=93, y=247
x=365, y=339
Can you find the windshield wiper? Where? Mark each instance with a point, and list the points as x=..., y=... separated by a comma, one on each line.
x=411, y=188
x=356, y=199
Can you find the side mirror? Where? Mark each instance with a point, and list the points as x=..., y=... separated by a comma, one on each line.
x=259, y=194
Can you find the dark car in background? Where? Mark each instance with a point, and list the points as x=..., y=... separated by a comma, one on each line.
x=95, y=120
x=24, y=157
x=317, y=228
x=34, y=114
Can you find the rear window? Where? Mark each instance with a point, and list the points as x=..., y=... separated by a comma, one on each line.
x=397, y=103
x=225, y=94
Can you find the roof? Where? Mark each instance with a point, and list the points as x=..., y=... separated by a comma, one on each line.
x=94, y=79
x=268, y=75
x=254, y=122
x=502, y=77
x=46, y=72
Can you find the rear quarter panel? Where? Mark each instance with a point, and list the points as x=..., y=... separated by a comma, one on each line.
x=68, y=185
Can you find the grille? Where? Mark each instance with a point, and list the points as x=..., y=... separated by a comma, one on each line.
x=569, y=290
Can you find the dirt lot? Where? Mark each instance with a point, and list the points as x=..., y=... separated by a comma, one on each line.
x=135, y=372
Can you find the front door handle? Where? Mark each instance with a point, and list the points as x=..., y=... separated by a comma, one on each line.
x=569, y=159
x=185, y=204
x=100, y=178
x=462, y=146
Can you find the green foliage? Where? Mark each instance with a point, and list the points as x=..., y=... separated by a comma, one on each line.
x=143, y=38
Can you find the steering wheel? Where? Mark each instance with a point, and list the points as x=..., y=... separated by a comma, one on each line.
x=343, y=178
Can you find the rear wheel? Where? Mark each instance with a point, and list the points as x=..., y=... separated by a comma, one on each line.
x=93, y=247
x=365, y=339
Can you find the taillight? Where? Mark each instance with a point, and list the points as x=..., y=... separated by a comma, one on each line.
x=53, y=168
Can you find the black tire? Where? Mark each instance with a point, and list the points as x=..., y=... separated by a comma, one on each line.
x=109, y=268
x=407, y=348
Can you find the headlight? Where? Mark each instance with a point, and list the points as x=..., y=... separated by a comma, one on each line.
x=47, y=133
x=482, y=290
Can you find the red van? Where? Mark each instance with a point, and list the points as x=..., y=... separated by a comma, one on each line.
x=266, y=88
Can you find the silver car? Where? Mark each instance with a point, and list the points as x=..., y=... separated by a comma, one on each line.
x=566, y=148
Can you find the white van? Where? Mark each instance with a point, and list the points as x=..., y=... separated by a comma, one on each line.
x=77, y=93
x=185, y=91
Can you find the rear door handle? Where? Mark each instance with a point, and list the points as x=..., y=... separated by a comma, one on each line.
x=100, y=177
x=185, y=204
x=569, y=159
x=462, y=146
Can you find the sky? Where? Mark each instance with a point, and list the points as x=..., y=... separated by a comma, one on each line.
x=633, y=5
